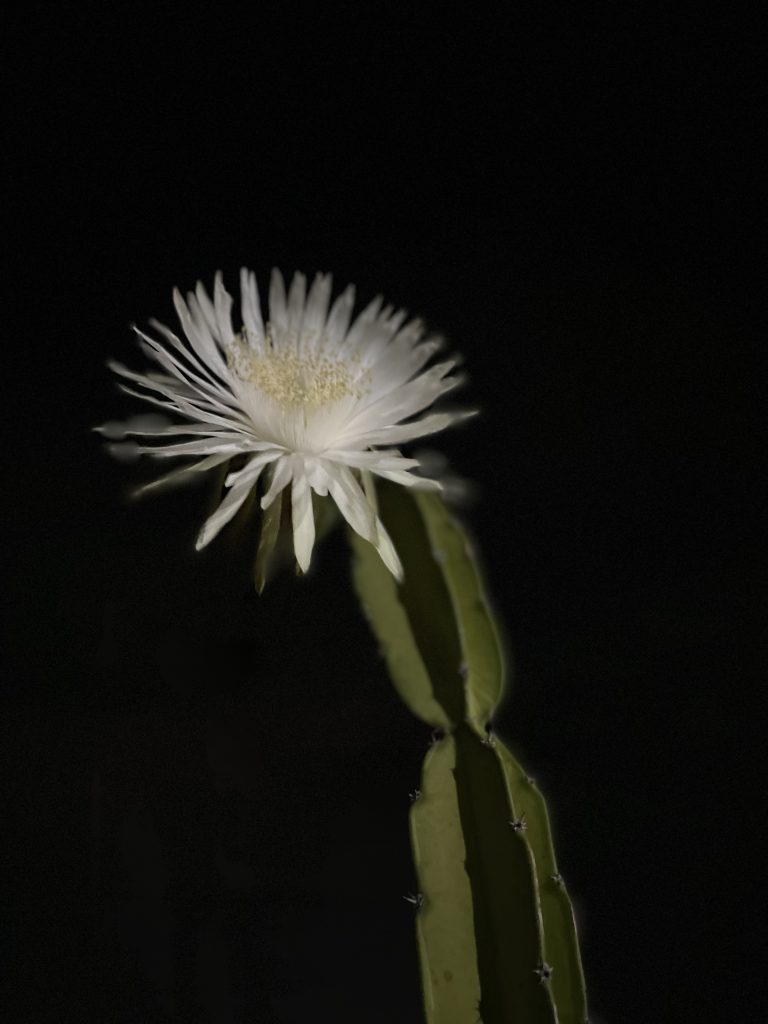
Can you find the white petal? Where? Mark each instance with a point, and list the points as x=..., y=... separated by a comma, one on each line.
x=159, y=426
x=205, y=371
x=397, y=318
x=281, y=476
x=196, y=406
x=222, y=301
x=251, y=310
x=400, y=361
x=352, y=502
x=407, y=400
x=199, y=335
x=156, y=382
x=369, y=335
x=392, y=356
x=259, y=460
x=431, y=424
x=386, y=549
x=149, y=423
x=178, y=371
x=361, y=326
x=302, y=516
x=208, y=446
x=228, y=508
x=182, y=473
x=418, y=483
x=316, y=309
x=202, y=308
x=369, y=460
x=180, y=406
x=373, y=345
x=360, y=514
x=296, y=297
x=278, y=314
x=388, y=464
x=340, y=315
x=318, y=479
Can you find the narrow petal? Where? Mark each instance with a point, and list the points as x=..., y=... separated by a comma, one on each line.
x=389, y=465
x=251, y=310
x=181, y=474
x=392, y=356
x=360, y=514
x=149, y=423
x=270, y=529
x=281, y=476
x=199, y=404
x=168, y=386
x=418, y=483
x=400, y=432
x=180, y=406
x=202, y=307
x=387, y=551
x=177, y=370
x=404, y=401
x=368, y=460
x=349, y=496
x=397, y=318
x=296, y=298
x=400, y=361
x=278, y=313
x=340, y=315
x=222, y=305
x=316, y=310
x=158, y=426
x=208, y=446
x=259, y=460
x=318, y=479
x=303, y=517
x=177, y=391
x=228, y=508
x=361, y=325
x=200, y=337
x=189, y=355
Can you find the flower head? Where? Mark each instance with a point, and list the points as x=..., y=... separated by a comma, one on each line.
x=310, y=400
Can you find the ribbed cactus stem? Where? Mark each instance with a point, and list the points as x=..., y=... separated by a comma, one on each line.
x=494, y=926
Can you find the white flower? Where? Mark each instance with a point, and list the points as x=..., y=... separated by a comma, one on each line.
x=306, y=399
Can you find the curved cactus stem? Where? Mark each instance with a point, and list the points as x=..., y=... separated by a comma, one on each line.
x=495, y=917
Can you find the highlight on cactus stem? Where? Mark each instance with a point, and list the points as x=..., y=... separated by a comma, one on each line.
x=307, y=401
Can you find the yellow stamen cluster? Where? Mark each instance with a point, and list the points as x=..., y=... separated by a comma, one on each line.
x=293, y=378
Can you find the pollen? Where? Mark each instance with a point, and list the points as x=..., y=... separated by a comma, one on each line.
x=293, y=378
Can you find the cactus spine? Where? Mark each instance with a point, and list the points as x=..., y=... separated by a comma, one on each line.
x=494, y=927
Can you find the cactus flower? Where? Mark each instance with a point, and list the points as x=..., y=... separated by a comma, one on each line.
x=309, y=399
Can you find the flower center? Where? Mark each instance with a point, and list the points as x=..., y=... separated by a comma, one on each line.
x=292, y=378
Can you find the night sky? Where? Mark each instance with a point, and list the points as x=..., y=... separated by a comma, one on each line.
x=207, y=791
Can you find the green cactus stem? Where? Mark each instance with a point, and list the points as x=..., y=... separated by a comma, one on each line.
x=494, y=926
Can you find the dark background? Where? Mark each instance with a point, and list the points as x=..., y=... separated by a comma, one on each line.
x=207, y=791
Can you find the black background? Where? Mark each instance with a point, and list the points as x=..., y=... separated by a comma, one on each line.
x=207, y=813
